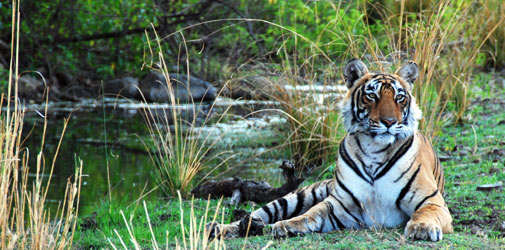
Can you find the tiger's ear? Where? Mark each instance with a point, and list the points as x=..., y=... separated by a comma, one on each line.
x=353, y=71
x=409, y=72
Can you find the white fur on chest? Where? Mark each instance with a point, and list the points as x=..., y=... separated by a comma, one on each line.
x=379, y=202
x=378, y=198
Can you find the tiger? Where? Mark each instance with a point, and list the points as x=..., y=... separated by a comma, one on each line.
x=387, y=173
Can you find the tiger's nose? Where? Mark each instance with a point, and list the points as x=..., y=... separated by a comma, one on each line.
x=388, y=121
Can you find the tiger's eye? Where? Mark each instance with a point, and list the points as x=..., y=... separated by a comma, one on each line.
x=400, y=98
x=371, y=97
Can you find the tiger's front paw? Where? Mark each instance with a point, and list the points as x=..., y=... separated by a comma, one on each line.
x=217, y=230
x=288, y=228
x=423, y=231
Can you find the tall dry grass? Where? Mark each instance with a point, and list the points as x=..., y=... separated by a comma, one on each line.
x=313, y=120
x=179, y=150
x=25, y=220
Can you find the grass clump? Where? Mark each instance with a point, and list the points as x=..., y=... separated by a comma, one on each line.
x=314, y=124
x=179, y=150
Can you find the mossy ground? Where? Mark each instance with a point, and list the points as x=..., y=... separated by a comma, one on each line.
x=473, y=153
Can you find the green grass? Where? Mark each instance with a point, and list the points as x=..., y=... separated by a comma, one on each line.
x=94, y=230
x=471, y=159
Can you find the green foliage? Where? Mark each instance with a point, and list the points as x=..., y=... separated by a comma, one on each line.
x=325, y=25
x=47, y=26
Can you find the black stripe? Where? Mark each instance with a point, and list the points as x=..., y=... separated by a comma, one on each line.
x=284, y=205
x=321, y=227
x=377, y=76
x=427, y=197
x=363, y=165
x=332, y=215
x=404, y=172
x=314, y=202
x=276, y=212
x=329, y=217
x=383, y=150
x=346, y=210
x=299, y=205
x=359, y=98
x=406, y=188
x=267, y=210
x=407, y=110
x=350, y=163
x=359, y=145
x=413, y=195
x=360, y=160
x=354, y=118
x=356, y=202
x=440, y=180
x=403, y=149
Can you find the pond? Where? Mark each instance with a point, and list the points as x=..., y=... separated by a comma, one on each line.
x=109, y=135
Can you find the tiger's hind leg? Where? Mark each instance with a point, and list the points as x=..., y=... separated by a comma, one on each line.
x=330, y=214
x=292, y=204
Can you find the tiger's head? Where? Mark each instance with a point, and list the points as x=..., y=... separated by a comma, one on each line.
x=380, y=104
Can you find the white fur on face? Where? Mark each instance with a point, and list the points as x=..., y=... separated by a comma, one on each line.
x=356, y=119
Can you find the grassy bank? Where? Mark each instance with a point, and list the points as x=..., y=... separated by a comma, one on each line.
x=472, y=153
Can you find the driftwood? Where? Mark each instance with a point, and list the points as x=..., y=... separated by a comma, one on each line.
x=249, y=190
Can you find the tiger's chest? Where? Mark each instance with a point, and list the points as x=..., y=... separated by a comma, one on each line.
x=376, y=181
x=379, y=203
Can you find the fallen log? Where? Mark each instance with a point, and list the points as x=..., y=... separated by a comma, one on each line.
x=249, y=190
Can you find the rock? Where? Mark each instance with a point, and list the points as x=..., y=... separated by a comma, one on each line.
x=123, y=87
x=154, y=88
x=30, y=87
x=27, y=83
x=444, y=158
x=252, y=88
x=489, y=187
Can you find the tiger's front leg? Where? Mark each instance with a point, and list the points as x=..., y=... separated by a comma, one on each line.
x=328, y=215
x=430, y=221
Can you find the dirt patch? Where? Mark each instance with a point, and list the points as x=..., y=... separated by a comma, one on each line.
x=483, y=223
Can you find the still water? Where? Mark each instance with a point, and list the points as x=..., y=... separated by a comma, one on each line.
x=108, y=135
